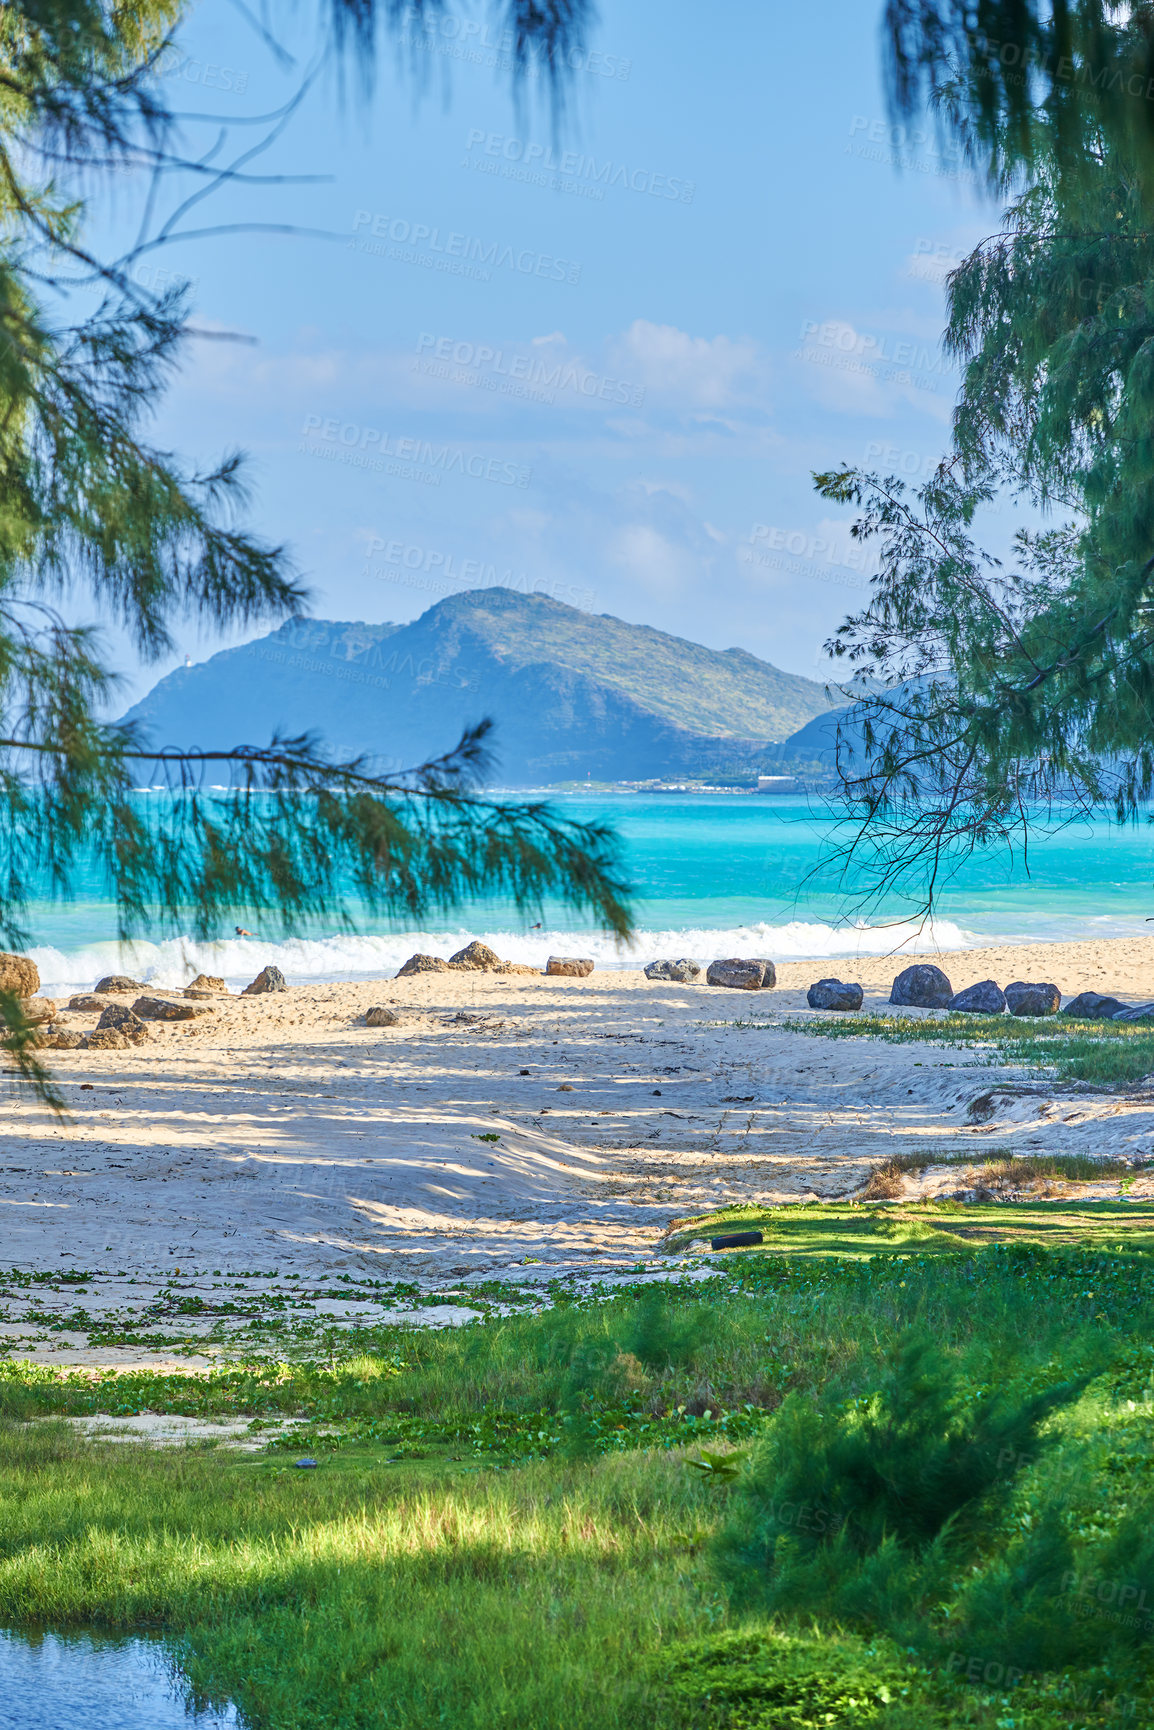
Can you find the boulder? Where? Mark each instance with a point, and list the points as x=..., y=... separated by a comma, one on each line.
x=164, y=1009
x=985, y=998
x=87, y=1003
x=422, y=964
x=922, y=986
x=38, y=1010
x=19, y=975
x=118, y=982
x=105, y=1039
x=476, y=956
x=118, y=1018
x=1093, y=1006
x=739, y=975
x=568, y=967
x=64, y=1041
x=1022, y=999
x=681, y=972
x=208, y=982
x=834, y=994
x=1140, y=1012
x=381, y=1017
x=268, y=979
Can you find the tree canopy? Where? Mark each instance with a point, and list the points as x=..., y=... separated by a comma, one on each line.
x=1012, y=686
x=89, y=506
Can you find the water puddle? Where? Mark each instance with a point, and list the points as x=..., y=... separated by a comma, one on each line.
x=81, y=1682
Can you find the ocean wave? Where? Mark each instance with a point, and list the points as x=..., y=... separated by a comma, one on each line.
x=306, y=960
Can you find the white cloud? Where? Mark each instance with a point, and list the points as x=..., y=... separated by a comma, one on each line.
x=705, y=372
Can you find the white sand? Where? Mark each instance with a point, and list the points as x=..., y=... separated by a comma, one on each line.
x=281, y=1133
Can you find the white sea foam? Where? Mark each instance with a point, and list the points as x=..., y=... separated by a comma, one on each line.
x=315, y=959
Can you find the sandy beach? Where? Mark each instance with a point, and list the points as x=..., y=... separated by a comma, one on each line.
x=511, y=1126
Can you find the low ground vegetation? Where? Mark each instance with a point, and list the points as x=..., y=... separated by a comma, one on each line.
x=764, y=1499
x=1104, y=1053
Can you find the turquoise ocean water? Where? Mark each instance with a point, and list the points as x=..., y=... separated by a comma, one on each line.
x=713, y=875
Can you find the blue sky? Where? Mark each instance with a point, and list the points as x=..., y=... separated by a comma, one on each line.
x=600, y=359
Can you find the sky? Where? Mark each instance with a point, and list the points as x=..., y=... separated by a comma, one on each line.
x=595, y=355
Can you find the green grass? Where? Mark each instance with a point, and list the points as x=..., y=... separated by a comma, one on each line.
x=1107, y=1053
x=503, y=1530
x=921, y=1229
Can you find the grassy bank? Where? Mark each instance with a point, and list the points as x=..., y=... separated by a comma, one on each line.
x=1105, y=1053
x=534, y=1521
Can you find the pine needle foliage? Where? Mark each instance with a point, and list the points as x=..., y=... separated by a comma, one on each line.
x=93, y=515
x=1009, y=689
x=846, y=1498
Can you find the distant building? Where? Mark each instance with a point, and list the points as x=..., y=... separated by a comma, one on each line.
x=778, y=784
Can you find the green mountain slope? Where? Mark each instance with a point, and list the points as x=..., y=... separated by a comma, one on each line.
x=571, y=693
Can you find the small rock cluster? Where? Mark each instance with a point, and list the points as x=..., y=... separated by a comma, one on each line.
x=119, y=1025
x=924, y=986
x=475, y=957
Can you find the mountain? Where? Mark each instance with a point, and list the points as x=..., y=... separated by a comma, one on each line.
x=816, y=743
x=572, y=693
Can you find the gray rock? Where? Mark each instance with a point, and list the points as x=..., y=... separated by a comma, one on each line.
x=118, y=982
x=38, y=1010
x=64, y=1041
x=87, y=1003
x=742, y=975
x=568, y=967
x=985, y=998
x=118, y=1018
x=922, y=986
x=422, y=964
x=1032, y=999
x=1092, y=1006
x=681, y=972
x=834, y=994
x=381, y=1017
x=1140, y=1012
x=162, y=1009
x=268, y=979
